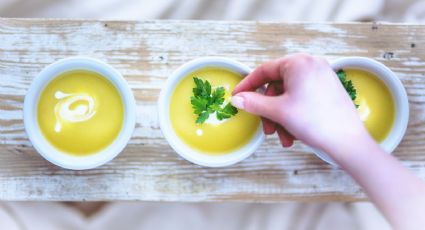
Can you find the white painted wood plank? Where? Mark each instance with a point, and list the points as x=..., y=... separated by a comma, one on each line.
x=146, y=53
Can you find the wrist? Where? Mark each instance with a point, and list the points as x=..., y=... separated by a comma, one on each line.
x=352, y=146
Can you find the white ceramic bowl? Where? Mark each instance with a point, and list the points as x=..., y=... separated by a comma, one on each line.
x=56, y=156
x=397, y=91
x=164, y=119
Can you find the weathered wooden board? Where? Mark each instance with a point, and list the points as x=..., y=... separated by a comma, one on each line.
x=146, y=53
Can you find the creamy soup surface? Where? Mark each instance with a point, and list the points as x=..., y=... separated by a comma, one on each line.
x=213, y=137
x=80, y=112
x=376, y=104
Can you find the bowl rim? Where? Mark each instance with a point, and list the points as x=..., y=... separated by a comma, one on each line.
x=174, y=141
x=398, y=93
x=46, y=149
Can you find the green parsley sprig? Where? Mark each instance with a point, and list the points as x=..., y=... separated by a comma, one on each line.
x=348, y=85
x=206, y=101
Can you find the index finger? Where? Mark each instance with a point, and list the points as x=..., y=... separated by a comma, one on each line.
x=267, y=72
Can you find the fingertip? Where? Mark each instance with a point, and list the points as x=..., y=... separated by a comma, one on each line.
x=259, y=104
x=286, y=142
x=269, y=130
x=261, y=75
x=243, y=85
x=238, y=102
x=236, y=90
x=269, y=127
x=290, y=143
x=286, y=139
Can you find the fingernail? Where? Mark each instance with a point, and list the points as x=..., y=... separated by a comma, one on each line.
x=238, y=102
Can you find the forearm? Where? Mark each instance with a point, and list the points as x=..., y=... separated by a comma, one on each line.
x=396, y=192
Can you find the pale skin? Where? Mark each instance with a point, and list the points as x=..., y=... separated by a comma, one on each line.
x=304, y=100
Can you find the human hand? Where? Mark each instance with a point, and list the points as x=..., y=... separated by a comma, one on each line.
x=304, y=100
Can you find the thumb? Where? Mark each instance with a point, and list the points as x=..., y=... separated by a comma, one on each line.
x=259, y=104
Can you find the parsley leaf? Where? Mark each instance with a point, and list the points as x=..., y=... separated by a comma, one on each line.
x=218, y=96
x=202, y=89
x=202, y=117
x=198, y=104
x=348, y=85
x=227, y=111
x=206, y=101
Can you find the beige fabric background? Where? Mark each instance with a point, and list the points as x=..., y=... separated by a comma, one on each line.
x=147, y=215
x=176, y=216
x=282, y=10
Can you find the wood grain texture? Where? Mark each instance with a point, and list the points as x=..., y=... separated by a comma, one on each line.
x=146, y=53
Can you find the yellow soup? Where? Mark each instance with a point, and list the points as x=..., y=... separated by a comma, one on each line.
x=212, y=137
x=80, y=112
x=376, y=105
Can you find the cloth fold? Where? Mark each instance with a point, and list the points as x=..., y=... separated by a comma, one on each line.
x=188, y=216
x=280, y=10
